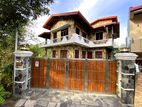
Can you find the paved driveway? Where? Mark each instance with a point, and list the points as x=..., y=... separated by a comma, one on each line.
x=56, y=98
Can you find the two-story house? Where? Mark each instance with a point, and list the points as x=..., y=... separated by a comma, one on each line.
x=72, y=36
x=135, y=31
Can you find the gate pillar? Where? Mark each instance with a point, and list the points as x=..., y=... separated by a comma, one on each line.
x=126, y=77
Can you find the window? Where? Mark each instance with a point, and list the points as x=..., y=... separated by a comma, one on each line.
x=77, y=30
x=83, y=54
x=99, y=36
x=98, y=54
x=64, y=32
x=89, y=54
x=63, y=54
x=53, y=54
x=76, y=53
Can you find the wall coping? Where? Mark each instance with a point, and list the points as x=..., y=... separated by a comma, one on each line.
x=23, y=53
x=125, y=56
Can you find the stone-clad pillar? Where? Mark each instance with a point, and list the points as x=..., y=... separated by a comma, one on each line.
x=126, y=77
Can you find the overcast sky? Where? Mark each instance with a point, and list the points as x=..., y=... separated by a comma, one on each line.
x=92, y=9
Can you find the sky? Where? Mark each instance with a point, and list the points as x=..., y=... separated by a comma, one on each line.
x=92, y=10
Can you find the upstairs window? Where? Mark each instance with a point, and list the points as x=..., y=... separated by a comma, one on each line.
x=98, y=54
x=99, y=36
x=64, y=32
x=78, y=31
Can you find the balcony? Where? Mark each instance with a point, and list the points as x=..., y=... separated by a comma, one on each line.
x=78, y=40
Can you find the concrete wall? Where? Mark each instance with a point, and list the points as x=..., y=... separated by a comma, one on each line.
x=136, y=33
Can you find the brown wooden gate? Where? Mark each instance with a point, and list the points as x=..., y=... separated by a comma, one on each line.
x=85, y=75
x=112, y=76
x=57, y=74
x=75, y=75
x=38, y=72
x=96, y=75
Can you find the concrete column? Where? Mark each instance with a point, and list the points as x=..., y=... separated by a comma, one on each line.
x=126, y=77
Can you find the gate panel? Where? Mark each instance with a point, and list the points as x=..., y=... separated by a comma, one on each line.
x=35, y=73
x=57, y=73
x=42, y=73
x=92, y=75
x=76, y=75
x=38, y=72
x=96, y=76
x=112, y=76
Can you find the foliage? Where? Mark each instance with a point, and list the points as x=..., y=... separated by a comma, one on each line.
x=6, y=77
x=48, y=53
x=37, y=51
x=3, y=94
x=14, y=12
x=6, y=52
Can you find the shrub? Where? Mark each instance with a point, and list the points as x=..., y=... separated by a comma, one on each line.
x=3, y=94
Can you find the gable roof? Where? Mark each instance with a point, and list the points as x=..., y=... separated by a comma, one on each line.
x=55, y=17
x=113, y=18
x=135, y=8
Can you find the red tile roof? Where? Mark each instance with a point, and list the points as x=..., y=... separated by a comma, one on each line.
x=113, y=18
x=113, y=23
x=53, y=17
x=135, y=8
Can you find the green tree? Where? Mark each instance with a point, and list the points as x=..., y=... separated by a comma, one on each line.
x=15, y=13
x=37, y=51
x=3, y=94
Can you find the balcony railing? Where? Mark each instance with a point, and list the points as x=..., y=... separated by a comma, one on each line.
x=76, y=39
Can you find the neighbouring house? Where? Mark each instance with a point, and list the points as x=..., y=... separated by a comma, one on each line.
x=72, y=36
x=135, y=32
